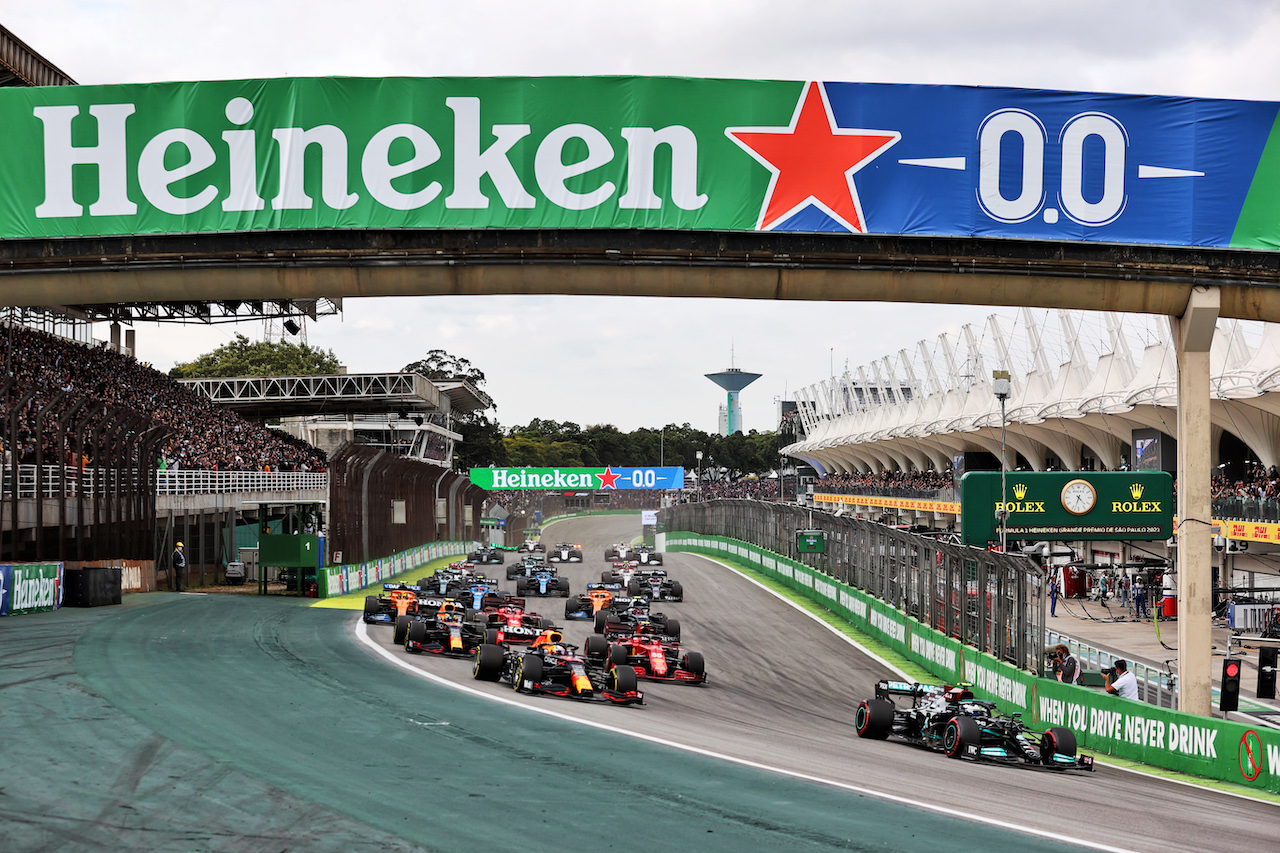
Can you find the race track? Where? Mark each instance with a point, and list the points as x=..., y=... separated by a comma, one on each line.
x=240, y=723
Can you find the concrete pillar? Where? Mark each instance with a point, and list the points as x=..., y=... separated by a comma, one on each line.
x=1193, y=335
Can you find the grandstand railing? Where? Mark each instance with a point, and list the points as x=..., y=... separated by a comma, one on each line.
x=89, y=481
x=1247, y=509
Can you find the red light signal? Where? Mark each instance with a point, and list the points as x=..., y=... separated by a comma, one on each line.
x=1229, y=699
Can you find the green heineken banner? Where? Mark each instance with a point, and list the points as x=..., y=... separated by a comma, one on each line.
x=637, y=153
x=30, y=587
x=577, y=478
x=1067, y=505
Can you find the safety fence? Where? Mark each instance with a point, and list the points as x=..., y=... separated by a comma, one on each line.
x=339, y=580
x=988, y=600
x=1202, y=746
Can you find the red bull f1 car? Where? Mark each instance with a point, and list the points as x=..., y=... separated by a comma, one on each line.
x=444, y=632
x=556, y=668
x=951, y=720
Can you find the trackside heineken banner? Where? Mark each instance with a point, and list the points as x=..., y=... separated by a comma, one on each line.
x=495, y=479
x=638, y=152
x=30, y=587
x=1211, y=748
x=337, y=580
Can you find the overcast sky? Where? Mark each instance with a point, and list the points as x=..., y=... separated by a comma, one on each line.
x=643, y=361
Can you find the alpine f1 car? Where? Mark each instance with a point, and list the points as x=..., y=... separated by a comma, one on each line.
x=513, y=623
x=565, y=553
x=486, y=556
x=527, y=565
x=587, y=604
x=399, y=599
x=651, y=656
x=556, y=668
x=654, y=585
x=444, y=632
x=625, y=616
x=543, y=582
x=951, y=720
x=480, y=593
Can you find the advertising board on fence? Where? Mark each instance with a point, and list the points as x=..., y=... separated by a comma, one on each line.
x=30, y=587
x=1212, y=748
x=338, y=580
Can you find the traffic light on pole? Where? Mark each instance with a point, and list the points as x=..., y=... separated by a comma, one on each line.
x=1229, y=699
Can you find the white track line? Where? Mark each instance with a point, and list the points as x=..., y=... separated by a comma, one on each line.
x=401, y=661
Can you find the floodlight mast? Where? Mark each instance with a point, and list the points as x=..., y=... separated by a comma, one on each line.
x=1002, y=387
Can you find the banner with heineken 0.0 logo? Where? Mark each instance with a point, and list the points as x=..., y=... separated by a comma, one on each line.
x=637, y=153
x=30, y=587
x=497, y=479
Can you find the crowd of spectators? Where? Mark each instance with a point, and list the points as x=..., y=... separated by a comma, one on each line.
x=1257, y=482
x=922, y=481
x=203, y=436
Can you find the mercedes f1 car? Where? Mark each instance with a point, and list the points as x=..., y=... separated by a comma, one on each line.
x=951, y=720
x=654, y=585
x=652, y=656
x=556, y=668
x=587, y=604
x=545, y=581
x=486, y=556
x=565, y=553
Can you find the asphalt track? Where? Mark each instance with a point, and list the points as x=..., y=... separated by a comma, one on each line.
x=190, y=722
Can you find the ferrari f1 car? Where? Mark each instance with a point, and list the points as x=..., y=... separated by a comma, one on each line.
x=486, y=556
x=556, y=668
x=651, y=655
x=545, y=581
x=587, y=604
x=654, y=585
x=951, y=720
x=565, y=553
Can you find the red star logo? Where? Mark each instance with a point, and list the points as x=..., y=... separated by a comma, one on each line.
x=607, y=479
x=813, y=162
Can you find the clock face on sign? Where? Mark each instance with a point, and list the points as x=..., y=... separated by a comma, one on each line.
x=1078, y=497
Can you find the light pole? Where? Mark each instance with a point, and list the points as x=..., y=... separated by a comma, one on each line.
x=698, y=455
x=1003, y=389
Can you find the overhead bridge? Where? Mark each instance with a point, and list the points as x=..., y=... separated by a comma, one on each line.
x=258, y=397
x=631, y=262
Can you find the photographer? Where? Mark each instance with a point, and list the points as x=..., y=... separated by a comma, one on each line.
x=1124, y=685
x=1066, y=665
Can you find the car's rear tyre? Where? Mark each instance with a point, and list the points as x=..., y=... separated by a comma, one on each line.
x=693, y=662
x=1057, y=741
x=530, y=670
x=677, y=591
x=601, y=619
x=488, y=665
x=633, y=588
x=596, y=648
x=370, y=605
x=417, y=633
x=625, y=679
x=491, y=636
x=401, y=629
x=874, y=719
x=673, y=627
x=961, y=732
x=617, y=655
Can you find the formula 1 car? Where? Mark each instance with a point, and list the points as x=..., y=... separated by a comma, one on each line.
x=556, y=668
x=625, y=616
x=652, y=657
x=480, y=593
x=620, y=552
x=646, y=556
x=565, y=553
x=453, y=577
x=950, y=720
x=513, y=623
x=526, y=566
x=654, y=585
x=620, y=572
x=587, y=604
x=445, y=632
x=531, y=546
x=399, y=600
x=543, y=582
x=486, y=556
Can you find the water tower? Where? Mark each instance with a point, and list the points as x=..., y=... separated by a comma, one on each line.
x=733, y=380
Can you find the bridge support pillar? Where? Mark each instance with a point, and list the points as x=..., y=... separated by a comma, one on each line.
x=1193, y=335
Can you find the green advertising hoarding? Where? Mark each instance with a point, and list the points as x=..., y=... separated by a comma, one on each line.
x=1067, y=505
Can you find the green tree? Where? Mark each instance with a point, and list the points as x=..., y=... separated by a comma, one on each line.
x=442, y=365
x=242, y=357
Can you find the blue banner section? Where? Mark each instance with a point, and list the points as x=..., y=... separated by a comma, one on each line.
x=650, y=478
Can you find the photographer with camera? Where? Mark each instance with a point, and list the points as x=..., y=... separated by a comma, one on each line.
x=1066, y=666
x=1125, y=685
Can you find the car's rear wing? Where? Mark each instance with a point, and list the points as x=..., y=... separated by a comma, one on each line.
x=608, y=586
x=399, y=587
x=887, y=689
